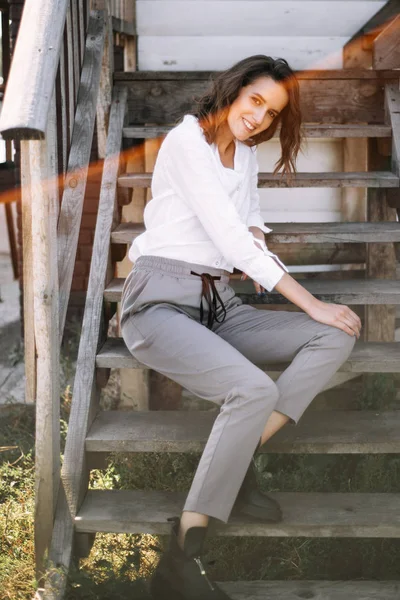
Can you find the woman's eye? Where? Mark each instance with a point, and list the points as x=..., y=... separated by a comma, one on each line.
x=257, y=101
x=271, y=114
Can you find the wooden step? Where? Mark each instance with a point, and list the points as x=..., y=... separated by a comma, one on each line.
x=346, y=291
x=314, y=590
x=318, y=432
x=311, y=130
x=367, y=357
x=306, y=514
x=372, y=179
x=285, y=233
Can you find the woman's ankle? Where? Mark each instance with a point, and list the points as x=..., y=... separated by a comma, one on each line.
x=188, y=520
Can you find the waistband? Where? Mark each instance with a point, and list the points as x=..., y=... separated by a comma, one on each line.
x=179, y=267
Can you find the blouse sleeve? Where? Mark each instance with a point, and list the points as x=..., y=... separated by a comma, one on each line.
x=254, y=218
x=191, y=171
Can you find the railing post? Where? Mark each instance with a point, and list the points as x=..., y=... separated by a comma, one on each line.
x=44, y=197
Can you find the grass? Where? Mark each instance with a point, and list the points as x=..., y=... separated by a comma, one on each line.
x=119, y=565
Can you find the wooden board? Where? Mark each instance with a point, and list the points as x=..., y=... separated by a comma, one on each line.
x=386, y=53
x=318, y=432
x=287, y=233
x=305, y=514
x=367, y=357
x=78, y=162
x=378, y=179
x=353, y=291
x=73, y=466
x=311, y=131
x=314, y=590
x=315, y=75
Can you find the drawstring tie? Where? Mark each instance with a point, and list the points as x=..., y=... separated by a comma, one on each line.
x=207, y=282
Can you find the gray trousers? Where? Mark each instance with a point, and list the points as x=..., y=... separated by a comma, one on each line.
x=160, y=323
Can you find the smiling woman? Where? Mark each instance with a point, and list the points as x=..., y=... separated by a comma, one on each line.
x=203, y=221
x=249, y=101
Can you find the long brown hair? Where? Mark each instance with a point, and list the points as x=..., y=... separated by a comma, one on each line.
x=212, y=108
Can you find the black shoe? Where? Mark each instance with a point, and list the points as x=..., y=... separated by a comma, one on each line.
x=252, y=501
x=180, y=574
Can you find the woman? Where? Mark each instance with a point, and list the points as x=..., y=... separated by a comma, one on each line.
x=181, y=318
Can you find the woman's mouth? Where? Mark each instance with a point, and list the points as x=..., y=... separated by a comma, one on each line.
x=248, y=125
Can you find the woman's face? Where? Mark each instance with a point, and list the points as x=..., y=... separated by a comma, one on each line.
x=256, y=106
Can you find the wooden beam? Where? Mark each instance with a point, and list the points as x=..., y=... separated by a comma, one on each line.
x=44, y=197
x=358, y=51
x=106, y=84
x=386, y=52
x=323, y=100
x=74, y=450
x=392, y=102
x=79, y=158
x=36, y=56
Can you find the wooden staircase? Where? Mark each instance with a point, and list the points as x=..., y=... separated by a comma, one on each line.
x=94, y=433
x=341, y=104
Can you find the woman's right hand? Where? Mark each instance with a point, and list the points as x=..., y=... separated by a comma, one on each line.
x=338, y=315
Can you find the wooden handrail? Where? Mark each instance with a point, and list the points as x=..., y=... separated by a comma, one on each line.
x=33, y=71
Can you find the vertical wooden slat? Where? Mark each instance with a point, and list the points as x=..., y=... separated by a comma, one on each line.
x=43, y=171
x=78, y=160
x=75, y=46
x=381, y=259
x=27, y=262
x=106, y=83
x=63, y=142
x=70, y=71
x=82, y=28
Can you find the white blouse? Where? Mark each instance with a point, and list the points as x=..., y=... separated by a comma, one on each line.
x=200, y=210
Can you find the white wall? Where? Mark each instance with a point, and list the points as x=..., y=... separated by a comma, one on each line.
x=302, y=204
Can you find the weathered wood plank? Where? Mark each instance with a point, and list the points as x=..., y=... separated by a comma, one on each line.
x=106, y=83
x=386, y=51
x=122, y=26
x=75, y=46
x=74, y=450
x=318, y=432
x=392, y=104
x=314, y=74
x=346, y=291
x=69, y=53
x=44, y=197
x=79, y=158
x=311, y=130
x=367, y=357
x=287, y=233
x=304, y=514
x=36, y=57
x=29, y=332
x=351, y=97
x=317, y=590
x=378, y=179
